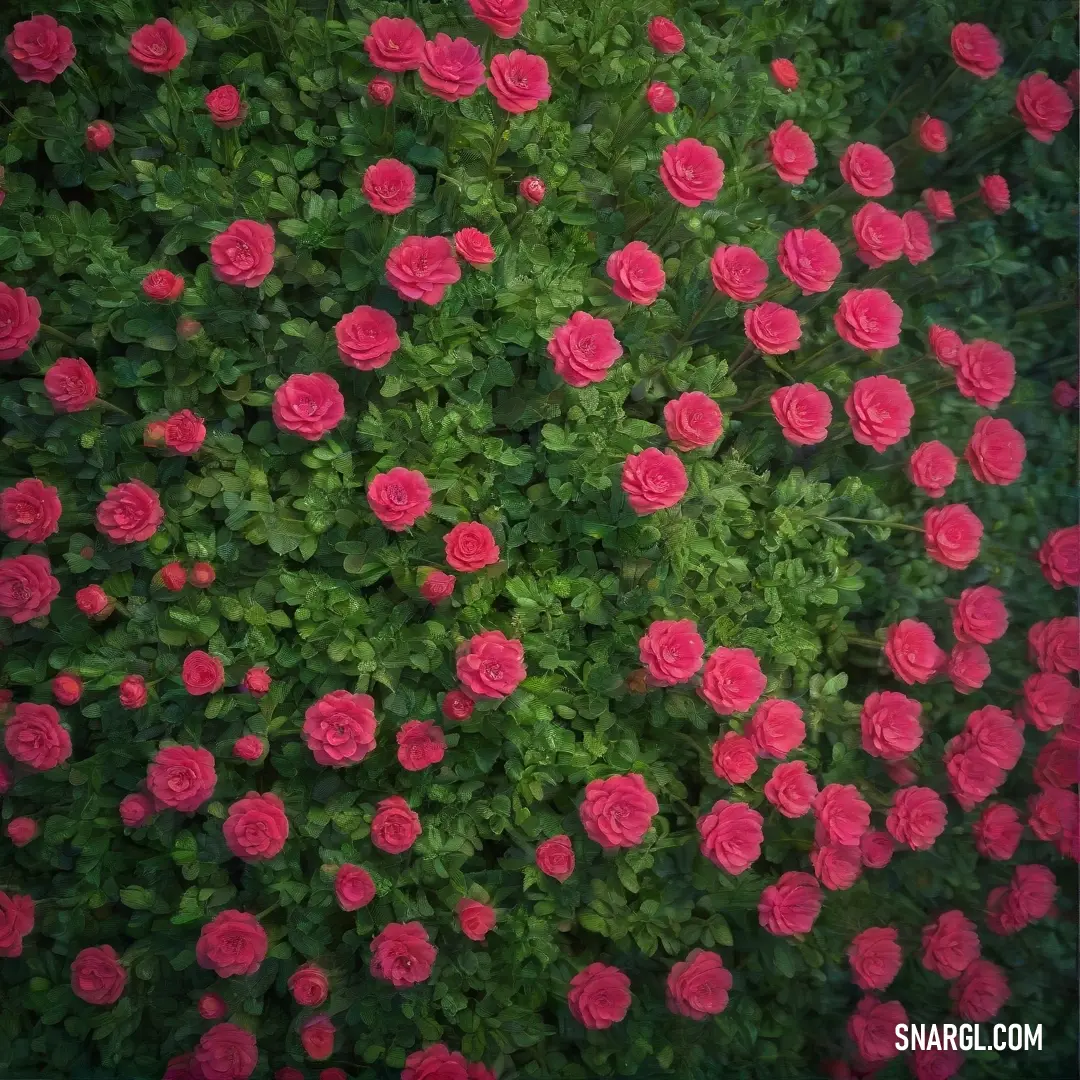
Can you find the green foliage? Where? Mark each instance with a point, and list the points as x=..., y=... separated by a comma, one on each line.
x=761, y=553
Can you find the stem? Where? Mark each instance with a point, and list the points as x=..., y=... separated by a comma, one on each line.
x=742, y=359
x=870, y=643
x=871, y=521
x=497, y=141
x=265, y=912
x=52, y=332
x=700, y=314
x=110, y=407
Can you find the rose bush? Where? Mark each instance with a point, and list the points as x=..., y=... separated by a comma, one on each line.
x=539, y=538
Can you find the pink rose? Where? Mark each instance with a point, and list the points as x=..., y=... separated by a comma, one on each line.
x=27, y=588
x=891, y=727
x=693, y=420
x=532, y=189
x=949, y=944
x=257, y=681
x=980, y=992
x=181, y=778
x=1043, y=105
x=381, y=90
x=664, y=35
x=733, y=758
x=555, y=857
x=791, y=789
x=1032, y=891
x=491, y=665
x=661, y=99
x=225, y=106
x=968, y=667
x=389, y=186
x=599, y=996
x=475, y=919
x=932, y=468
x=249, y=748
x=986, y=373
x=994, y=191
x=474, y=247
x=692, y=172
x=618, y=812
x=879, y=234
x=39, y=49
x=1058, y=764
x=451, y=69
x=868, y=319
x=995, y=451
x=979, y=615
x=339, y=728
x=973, y=777
x=518, y=81
x=157, y=48
x=918, y=247
x=671, y=651
x=636, y=272
x=998, y=734
x=809, y=259
x=20, y=320
x=395, y=44
x=437, y=586
x=34, y=737
x=997, y=832
x=225, y=1052
x=837, y=867
x=67, y=688
x=912, y=652
x=803, y=412
x=212, y=1006
x=470, y=546
x=30, y=511
x=772, y=328
x=402, y=955
x=1055, y=645
x=97, y=976
x=875, y=957
x=1048, y=698
x=791, y=905
x=698, y=986
x=21, y=830
x=70, y=383
x=975, y=49
x=130, y=512
x=880, y=410
x=776, y=728
x=185, y=432
x=202, y=673
x=946, y=346
x=163, y=286
x=309, y=985
x=99, y=136
x=933, y=134
x=243, y=254
x=395, y=826
x=132, y=692
x=420, y=744
x=940, y=204
x=1059, y=554
x=653, y=480
x=583, y=348
x=783, y=71
x=503, y=16
x=738, y=272
x=872, y=1028
x=917, y=817
x=308, y=405
x=953, y=535
x=421, y=267
x=876, y=848
x=867, y=169
x=256, y=827
x=436, y=1062
x=16, y=921
x=353, y=887
x=136, y=810
x=731, y=835
x=399, y=498
x=231, y=943
x=792, y=153
x=842, y=813
x=732, y=680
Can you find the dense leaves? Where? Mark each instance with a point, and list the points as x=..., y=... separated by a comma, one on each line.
x=336, y=439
